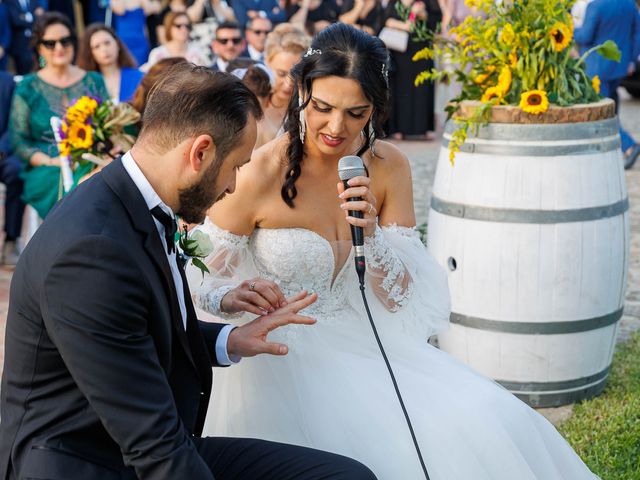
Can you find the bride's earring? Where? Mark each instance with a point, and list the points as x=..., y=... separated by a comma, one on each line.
x=303, y=126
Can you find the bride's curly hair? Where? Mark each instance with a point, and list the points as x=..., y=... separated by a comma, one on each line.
x=343, y=51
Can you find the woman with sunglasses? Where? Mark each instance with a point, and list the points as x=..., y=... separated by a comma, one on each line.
x=102, y=51
x=177, y=27
x=42, y=95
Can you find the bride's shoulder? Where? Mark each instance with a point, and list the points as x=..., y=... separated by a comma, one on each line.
x=266, y=163
x=386, y=158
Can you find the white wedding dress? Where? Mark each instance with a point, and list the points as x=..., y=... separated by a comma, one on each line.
x=333, y=392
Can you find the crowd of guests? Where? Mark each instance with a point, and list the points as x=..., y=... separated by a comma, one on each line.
x=257, y=40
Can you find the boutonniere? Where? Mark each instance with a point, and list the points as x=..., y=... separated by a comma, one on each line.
x=195, y=246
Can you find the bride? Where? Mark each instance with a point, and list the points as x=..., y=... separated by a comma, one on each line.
x=286, y=227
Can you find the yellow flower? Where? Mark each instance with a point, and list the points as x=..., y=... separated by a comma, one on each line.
x=491, y=93
x=64, y=149
x=490, y=34
x=513, y=59
x=76, y=115
x=595, y=83
x=504, y=80
x=80, y=136
x=561, y=35
x=534, y=102
x=481, y=78
x=507, y=35
x=424, y=54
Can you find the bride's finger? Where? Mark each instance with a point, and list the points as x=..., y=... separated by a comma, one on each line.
x=258, y=300
x=361, y=222
x=250, y=308
x=267, y=294
x=366, y=207
x=351, y=192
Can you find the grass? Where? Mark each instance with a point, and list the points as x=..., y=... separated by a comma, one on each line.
x=605, y=431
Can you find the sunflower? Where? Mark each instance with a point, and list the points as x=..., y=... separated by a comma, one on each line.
x=76, y=115
x=504, y=80
x=80, y=136
x=491, y=93
x=507, y=35
x=595, y=83
x=561, y=35
x=64, y=149
x=534, y=102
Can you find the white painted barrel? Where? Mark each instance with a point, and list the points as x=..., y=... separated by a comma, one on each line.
x=532, y=226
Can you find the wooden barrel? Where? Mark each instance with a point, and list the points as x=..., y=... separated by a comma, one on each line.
x=532, y=225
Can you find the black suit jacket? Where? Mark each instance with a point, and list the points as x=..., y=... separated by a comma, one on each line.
x=6, y=94
x=100, y=379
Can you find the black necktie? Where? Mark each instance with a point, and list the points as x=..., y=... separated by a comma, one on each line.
x=169, y=225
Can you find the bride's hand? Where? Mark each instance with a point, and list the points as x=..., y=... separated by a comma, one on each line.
x=257, y=296
x=250, y=339
x=360, y=187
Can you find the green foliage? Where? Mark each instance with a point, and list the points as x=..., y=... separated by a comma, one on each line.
x=605, y=431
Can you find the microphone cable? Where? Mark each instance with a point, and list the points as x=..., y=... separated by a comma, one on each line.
x=393, y=378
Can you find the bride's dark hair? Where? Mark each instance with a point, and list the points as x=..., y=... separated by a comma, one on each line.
x=343, y=51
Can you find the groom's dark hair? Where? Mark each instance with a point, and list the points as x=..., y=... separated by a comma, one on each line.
x=189, y=100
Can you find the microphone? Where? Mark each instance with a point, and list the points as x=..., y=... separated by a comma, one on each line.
x=349, y=167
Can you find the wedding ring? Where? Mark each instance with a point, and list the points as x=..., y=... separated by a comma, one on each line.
x=252, y=286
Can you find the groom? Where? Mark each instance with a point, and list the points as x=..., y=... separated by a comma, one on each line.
x=107, y=371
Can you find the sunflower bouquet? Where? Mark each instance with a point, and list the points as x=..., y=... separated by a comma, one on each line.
x=90, y=133
x=518, y=52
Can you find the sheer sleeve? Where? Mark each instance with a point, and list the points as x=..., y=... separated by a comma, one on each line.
x=20, y=129
x=387, y=275
x=229, y=264
x=411, y=288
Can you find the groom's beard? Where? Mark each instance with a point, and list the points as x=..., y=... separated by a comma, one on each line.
x=196, y=199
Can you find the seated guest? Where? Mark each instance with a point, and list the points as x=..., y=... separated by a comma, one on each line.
x=5, y=37
x=256, y=33
x=246, y=9
x=101, y=50
x=44, y=94
x=10, y=168
x=227, y=45
x=177, y=27
x=260, y=80
x=285, y=46
x=149, y=80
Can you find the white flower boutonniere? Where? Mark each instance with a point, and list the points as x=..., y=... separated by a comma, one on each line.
x=195, y=246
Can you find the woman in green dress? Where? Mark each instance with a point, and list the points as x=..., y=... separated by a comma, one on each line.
x=42, y=95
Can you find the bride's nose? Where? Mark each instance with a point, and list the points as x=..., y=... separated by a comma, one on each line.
x=336, y=124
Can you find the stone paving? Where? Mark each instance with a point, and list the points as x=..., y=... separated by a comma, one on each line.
x=423, y=157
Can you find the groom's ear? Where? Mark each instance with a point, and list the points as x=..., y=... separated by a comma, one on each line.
x=202, y=152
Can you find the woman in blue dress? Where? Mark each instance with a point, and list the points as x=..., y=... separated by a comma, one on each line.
x=130, y=22
x=101, y=50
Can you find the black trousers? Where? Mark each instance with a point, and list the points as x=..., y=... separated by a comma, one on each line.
x=251, y=459
x=10, y=168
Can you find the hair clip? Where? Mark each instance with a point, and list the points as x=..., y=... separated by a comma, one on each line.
x=385, y=72
x=312, y=51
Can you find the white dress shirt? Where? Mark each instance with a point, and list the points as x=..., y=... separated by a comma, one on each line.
x=255, y=54
x=152, y=200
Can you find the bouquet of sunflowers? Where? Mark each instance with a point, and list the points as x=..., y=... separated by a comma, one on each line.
x=514, y=52
x=90, y=134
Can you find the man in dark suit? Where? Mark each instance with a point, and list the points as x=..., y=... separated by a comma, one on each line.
x=227, y=45
x=256, y=33
x=10, y=168
x=5, y=37
x=107, y=370
x=22, y=14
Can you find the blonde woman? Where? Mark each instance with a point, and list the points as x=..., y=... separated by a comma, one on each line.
x=284, y=48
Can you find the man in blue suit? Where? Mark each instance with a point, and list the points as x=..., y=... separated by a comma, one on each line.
x=617, y=20
x=5, y=37
x=246, y=9
x=22, y=14
x=10, y=168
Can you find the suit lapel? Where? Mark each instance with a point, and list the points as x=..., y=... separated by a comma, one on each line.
x=123, y=186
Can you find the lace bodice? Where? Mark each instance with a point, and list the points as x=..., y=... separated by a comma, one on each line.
x=299, y=259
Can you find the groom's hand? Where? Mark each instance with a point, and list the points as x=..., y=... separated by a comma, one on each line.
x=250, y=339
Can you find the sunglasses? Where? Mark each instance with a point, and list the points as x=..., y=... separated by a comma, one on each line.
x=261, y=32
x=224, y=41
x=51, y=44
x=183, y=25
